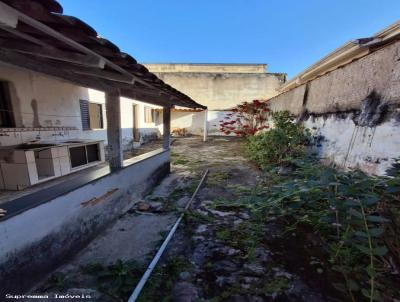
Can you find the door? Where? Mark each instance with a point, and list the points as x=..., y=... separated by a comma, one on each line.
x=135, y=124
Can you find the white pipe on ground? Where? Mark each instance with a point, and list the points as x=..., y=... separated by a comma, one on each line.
x=157, y=257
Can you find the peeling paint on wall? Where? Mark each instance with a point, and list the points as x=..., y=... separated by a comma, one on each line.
x=353, y=112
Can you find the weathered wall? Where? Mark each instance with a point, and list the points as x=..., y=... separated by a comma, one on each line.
x=221, y=91
x=42, y=238
x=193, y=122
x=354, y=110
x=215, y=68
x=48, y=109
x=220, y=87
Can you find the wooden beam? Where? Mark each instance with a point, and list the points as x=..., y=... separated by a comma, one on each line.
x=114, y=131
x=53, y=53
x=8, y=18
x=53, y=70
x=166, y=127
x=108, y=75
x=69, y=73
x=51, y=32
x=23, y=35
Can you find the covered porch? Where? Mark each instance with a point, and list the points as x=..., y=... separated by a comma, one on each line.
x=44, y=223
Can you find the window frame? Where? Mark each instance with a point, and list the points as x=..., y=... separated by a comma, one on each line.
x=85, y=106
x=101, y=118
x=152, y=115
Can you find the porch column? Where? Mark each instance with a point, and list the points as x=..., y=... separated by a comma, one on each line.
x=205, y=133
x=114, y=132
x=166, y=127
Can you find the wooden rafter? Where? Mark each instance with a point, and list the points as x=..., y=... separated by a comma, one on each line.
x=34, y=38
x=52, y=53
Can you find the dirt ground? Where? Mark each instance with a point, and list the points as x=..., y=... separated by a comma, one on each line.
x=221, y=252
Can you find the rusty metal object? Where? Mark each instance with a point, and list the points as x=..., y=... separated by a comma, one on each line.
x=96, y=200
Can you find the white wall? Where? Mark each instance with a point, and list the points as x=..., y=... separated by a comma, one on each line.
x=371, y=149
x=193, y=122
x=48, y=109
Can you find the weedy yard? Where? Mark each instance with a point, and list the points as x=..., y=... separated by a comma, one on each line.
x=270, y=223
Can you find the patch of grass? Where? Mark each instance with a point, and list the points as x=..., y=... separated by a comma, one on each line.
x=224, y=235
x=178, y=159
x=246, y=238
x=219, y=178
x=57, y=281
x=116, y=280
x=276, y=286
x=194, y=217
x=158, y=288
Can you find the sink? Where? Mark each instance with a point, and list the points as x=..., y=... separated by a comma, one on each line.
x=33, y=146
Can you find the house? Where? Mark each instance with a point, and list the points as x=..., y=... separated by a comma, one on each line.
x=70, y=103
x=220, y=87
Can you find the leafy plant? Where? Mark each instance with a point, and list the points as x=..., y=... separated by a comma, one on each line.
x=343, y=208
x=246, y=119
x=116, y=280
x=286, y=141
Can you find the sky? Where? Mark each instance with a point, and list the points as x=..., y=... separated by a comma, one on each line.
x=288, y=35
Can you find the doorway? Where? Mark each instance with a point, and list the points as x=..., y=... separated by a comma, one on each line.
x=135, y=124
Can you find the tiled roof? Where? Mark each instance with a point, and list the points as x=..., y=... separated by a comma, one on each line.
x=35, y=34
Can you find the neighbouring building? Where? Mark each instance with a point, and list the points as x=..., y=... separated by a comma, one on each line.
x=219, y=87
x=350, y=99
x=70, y=103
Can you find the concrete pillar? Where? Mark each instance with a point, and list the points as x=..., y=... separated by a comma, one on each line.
x=114, y=132
x=166, y=127
x=205, y=133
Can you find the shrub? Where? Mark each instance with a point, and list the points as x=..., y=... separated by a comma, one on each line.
x=286, y=141
x=345, y=209
x=246, y=119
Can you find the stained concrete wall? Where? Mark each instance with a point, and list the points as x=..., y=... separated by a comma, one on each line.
x=47, y=108
x=37, y=240
x=354, y=110
x=207, y=68
x=221, y=91
x=193, y=122
x=220, y=87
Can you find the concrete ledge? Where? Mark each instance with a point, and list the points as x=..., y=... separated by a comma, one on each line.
x=26, y=202
x=39, y=239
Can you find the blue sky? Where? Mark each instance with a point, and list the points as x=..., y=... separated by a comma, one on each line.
x=287, y=35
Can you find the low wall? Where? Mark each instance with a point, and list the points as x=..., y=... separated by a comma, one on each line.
x=353, y=111
x=36, y=241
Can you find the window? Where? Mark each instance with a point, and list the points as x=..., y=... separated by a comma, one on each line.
x=83, y=155
x=92, y=115
x=148, y=115
x=6, y=114
x=96, y=116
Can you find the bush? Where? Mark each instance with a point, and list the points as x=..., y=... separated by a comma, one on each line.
x=347, y=211
x=246, y=119
x=286, y=141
